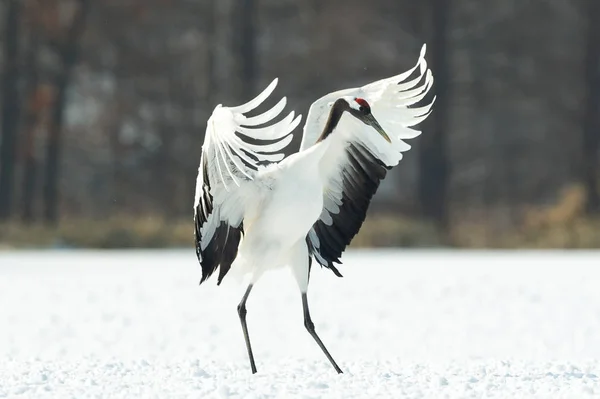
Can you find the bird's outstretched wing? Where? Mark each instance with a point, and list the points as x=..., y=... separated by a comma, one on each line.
x=360, y=157
x=234, y=148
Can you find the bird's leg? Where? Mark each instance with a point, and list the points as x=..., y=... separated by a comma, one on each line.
x=242, y=313
x=310, y=327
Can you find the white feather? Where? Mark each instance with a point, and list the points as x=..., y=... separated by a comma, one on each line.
x=231, y=163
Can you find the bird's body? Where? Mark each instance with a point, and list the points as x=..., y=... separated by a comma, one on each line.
x=287, y=196
x=256, y=209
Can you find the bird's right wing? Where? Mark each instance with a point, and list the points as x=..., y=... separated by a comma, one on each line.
x=234, y=148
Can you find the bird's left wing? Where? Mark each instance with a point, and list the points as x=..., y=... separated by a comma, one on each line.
x=234, y=148
x=360, y=157
x=391, y=101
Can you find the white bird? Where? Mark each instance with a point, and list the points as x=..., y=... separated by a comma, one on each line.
x=256, y=210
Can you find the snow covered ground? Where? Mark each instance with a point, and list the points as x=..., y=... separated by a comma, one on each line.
x=401, y=324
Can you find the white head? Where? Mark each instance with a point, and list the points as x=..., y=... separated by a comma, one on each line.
x=357, y=107
x=357, y=104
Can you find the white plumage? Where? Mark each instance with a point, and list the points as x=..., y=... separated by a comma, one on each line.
x=256, y=209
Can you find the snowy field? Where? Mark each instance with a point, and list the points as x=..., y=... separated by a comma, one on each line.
x=401, y=324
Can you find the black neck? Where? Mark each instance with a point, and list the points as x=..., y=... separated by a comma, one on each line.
x=335, y=115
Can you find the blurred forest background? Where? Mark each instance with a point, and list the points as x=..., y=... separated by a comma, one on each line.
x=104, y=105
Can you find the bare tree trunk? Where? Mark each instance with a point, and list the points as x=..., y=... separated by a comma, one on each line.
x=433, y=162
x=10, y=106
x=245, y=40
x=211, y=55
x=591, y=125
x=69, y=55
x=30, y=125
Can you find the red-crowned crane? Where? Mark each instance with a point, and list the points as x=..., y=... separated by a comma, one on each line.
x=256, y=209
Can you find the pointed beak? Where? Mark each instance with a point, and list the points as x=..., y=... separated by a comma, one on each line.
x=371, y=121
